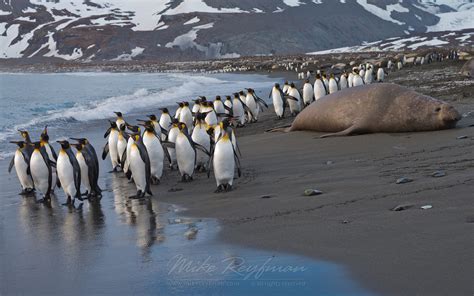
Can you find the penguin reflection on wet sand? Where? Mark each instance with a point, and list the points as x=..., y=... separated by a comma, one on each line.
x=21, y=162
x=69, y=173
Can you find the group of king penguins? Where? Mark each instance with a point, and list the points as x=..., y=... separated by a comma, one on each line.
x=297, y=99
x=39, y=168
x=193, y=139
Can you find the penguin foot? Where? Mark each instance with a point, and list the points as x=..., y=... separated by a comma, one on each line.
x=186, y=178
x=227, y=187
x=155, y=180
x=219, y=189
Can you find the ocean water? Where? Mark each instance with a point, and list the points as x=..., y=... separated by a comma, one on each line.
x=65, y=101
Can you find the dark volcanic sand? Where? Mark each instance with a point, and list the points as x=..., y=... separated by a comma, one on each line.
x=410, y=252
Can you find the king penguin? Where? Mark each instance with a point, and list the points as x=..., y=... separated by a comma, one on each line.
x=111, y=146
x=87, y=167
x=308, y=93
x=119, y=121
x=228, y=104
x=155, y=152
x=343, y=81
x=186, y=153
x=44, y=140
x=219, y=108
x=278, y=99
x=69, y=172
x=140, y=166
x=21, y=161
x=41, y=171
x=295, y=100
x=165, y=121
x=92, y=161
x=224, y=159
x=286, y=85
x=186, y=116
x=254, y=104
x=238, y=110
x=333, y=87
x=172, y=135
x=201, y=137
x=320, y=89
x=357, y=80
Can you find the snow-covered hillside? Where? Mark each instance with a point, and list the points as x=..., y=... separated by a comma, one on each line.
x=89, y=30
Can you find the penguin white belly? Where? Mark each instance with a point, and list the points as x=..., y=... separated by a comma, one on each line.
x=238, y=111
x=217, y=133
x=307, y=93
x=39, y=172
x=127, y=160
x=332, y=86
x=211, y=118
x=285, y=88
x=185, y=155
x=157, y=128
x=219, y=108
x=66, y=174
x=21, y=167
x=113, y=139
x=380, y=75
x=277, y=102
x=319, y=90
x=138, y=168
x=357, y=81
x=187, y=117
x=295, y=106
x=172, y=138
x=223, y=162
x=253, y=107
x=201, y=137
x=155, y=154
x=343, y=82
x=368, y=77
x=84, y=172
x=350, y=80
x=229, y=106
x=121, y=147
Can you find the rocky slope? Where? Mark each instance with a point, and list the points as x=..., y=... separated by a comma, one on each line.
x=95, y=30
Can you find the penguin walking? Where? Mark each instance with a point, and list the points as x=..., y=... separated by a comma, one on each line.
x=224, y=160
x=211, y=116
x=29, y=145
x=219, y=108
x=308, y=93
x=154, y=120
x=380, y=74
x=69, y=172
x=350, y=79
x=196, y=107
x=178, y=111
x=126, y=162
x=165, y=121
x=201, y=137
x=122, y=140
x=186, y=116
x=228, y=105
x=40, y=168
x=186, y=153
x=21, y=162
x=295, y=100
x=357, y=79
x=333, y=87
x=254, y=104
x=89, y=170
x=140, y=166
x=368, y=77
x=286, y=86
x=155, y=152
x=320, y=89
x=111, y=146
x=278, y=99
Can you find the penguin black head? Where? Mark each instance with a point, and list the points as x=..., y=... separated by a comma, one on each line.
x=122, y=127
x=277, y=85
x=318, y=76
x=44, y=135
x=200, y=116
x=78, y=146
x=164, y=110
x=21, y=144
x=250, y=90
x=218, y=98
x=286, y=82
x=113, y=124
x=197, y=101
x=36, y=145
x=236, y=95
x=186, y=104
x=306, y=81
x=292, y=85
x=180, y=104
x=182, y=127
x=241, y=92
x=82, y=141
x=24, y=134
x=119, y=114
x=227, y=98
x=149, y=127
x=133, y=128
x=64, y=144
x=152, y=117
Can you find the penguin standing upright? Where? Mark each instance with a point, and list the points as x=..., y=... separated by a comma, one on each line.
x=21, y=161
x=131, y=140
x=154, y=120
x=254, y=104
x=41, y=170
x=238, y=110
x=295, y=99
x=155, y=152
x=320, y=89
x=357, y=80
x=224, y=159
x=111, y=146
x=286, y=86
x=380, y=74
x=92, y=161
x=228, y=104
x=278, y=99
x=87, y=167
x=186, y=153
x=343, y=81
x=172, y=135
x=350, y=79
x=211, y=116
x=44, y=140
x=69, y=172
x=29, y=147
x=333, y=87
x=196, y=106
x=368, y=77
x=119, y=121
x=325, y=81
x=165, y=121
x=186, y=116
x=219, y=108
x=140, y=166
x=308, y=93
x=201, y=137
x=122, y=141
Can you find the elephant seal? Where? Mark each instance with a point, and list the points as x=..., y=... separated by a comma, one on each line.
x=375, y=108
x=467, y=69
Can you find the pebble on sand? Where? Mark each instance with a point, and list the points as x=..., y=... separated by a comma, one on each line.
x=401, y=208
x=438, y=174
x=426, y=207
x=462, y=137
x=312, y=192
x=404, y=180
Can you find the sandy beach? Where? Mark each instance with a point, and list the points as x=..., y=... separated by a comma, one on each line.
x=409, y=252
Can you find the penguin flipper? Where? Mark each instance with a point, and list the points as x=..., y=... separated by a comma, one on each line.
x=288, y=97
x=105, y=151
x=237, y=162
x=107, y=132
x=55, y=156
x=12, y=163
x=202, y=148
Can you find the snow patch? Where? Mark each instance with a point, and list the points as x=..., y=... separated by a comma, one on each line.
x=190, y=6
x=452, y=21
x=292, y=3
x=129, y=56
x=384, y=14
x=192, y=21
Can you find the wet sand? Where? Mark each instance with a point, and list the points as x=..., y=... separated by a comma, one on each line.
x=409, y=252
